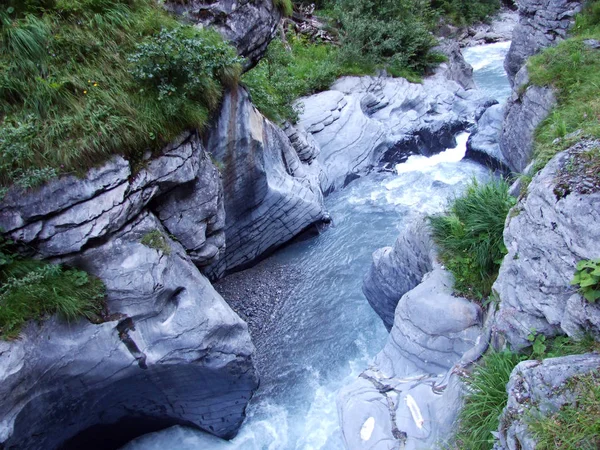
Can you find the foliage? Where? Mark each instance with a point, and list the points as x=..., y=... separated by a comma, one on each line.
x=470, y=236
x=33, y=290
x=485, y=400
x=465, y=12
x=283, y=76
x=587, y=277
x=573, y=70
x=575, y=425
x=285, y=6
x=156, y=240
x=81, y=80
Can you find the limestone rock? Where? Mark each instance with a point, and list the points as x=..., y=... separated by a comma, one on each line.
x=483, y=145
x=248, y=24
x=525, y=110
x=173, y=352
x=364, y=121
x=456, y=68
x=541, y=384
x=397, y=270
x=546, y=235
x=270, y=194
x=542, y=23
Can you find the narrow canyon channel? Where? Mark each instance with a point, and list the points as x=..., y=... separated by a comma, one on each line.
x=317, y=332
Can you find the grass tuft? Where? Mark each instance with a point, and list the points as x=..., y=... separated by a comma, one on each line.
x=156, y=240
x=470, y=236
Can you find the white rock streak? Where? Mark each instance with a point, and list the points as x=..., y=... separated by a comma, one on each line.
x=414, y=410
x=367, y=429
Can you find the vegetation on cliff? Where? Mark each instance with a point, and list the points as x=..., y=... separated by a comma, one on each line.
x=572, y=69
x=81, y=80
x=34, y=290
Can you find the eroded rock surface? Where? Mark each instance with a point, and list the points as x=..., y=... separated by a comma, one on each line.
x=270, y=193
x=541, y=385
x=248, y=24
x=364, y=121
x=542, y=23
x=172, y=352
x=483, y=145
x=546, y=234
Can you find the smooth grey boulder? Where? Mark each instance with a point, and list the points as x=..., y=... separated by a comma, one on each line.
x=365, y=121
x=249, y=25
x=408, y=398
x=546, y=234
x=541, y=385
x=398, y=269
x=172, y=352
x=270, y=194
x=542, y=23
x=525, y=110
x=483, y=145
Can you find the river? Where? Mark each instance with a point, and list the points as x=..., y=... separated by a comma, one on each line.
x=326, y=331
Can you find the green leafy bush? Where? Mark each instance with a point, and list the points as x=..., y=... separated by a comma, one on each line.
x=33, y=290
x=470, y=236
x=81, y=80
x=587, y=277
x=486, y=398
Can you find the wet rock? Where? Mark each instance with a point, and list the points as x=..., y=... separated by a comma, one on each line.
x=173, y=352
x=364, y=121
x=525, y=111
x=270, y=194
x=248, y=25
x=546, y=234
x=542, y=23
x=483, y=145
x=541, y=385
x=398, y=269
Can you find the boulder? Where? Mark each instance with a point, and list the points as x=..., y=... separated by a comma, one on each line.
x=270, y=194
x=541, y=385
x=365, y=121
x=171, y=352
x=249, y=25
x=525, y=111
x=546, y=234
x=542, y=23
x=483, y=145
x=455, y=68
x=398, y=269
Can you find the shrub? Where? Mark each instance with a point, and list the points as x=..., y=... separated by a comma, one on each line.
x=156, y=240
x=33, y=290
x=486, y=398
x=576, y=424
x=587, y=277
x=81, y=80
x=465, y=12
x=470, y=236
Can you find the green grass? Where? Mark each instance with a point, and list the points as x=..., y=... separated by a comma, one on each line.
x=156, y=240
x=470, y=236
x=34, y=290
x=285, y=6
x=485, y=400
x=81, y=80
x=573, y=70
x=574, y=426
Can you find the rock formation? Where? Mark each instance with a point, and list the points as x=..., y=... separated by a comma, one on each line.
x=541, y=385
x=546, y=234
x=483, y=145
x=171, y=351
x=270, y=193
x=249, y=25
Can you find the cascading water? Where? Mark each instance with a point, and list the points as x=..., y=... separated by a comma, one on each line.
x=326, y=332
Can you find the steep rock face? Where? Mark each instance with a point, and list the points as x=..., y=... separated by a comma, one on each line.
x=456, y=68
x=410, y=395
x=542, y=23
x=270, y=194
x=546, y=234
x=172, y=352
x=525, y=110
x=398, y=269
x=484, y=142
x=248, y=24
x=540, y=385
x=363, y=121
